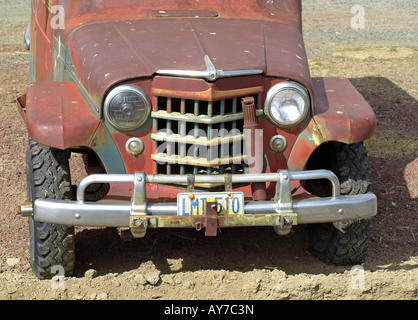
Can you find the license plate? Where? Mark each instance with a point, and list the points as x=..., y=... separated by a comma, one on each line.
x=191, y=204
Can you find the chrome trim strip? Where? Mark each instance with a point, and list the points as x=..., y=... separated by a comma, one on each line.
x=199, y=162
x=210, y=74
x=26, y=37
x=204, y=119
x=201, y=141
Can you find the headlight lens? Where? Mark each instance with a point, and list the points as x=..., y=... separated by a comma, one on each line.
x=126, y=107
x=287, y=104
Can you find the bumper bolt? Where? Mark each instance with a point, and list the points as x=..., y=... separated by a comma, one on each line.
x=288, y=220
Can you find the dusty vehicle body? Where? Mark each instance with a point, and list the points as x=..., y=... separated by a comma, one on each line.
x=133, y=84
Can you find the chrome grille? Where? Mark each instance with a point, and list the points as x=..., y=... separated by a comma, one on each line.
x=199, y=137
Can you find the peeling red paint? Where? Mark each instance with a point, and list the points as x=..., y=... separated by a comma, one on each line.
x=340, y=114
x=57, y=115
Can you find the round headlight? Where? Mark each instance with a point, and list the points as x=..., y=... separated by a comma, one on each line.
x=126, y=107
x=287, y=104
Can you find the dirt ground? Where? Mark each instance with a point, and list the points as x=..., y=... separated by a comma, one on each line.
x=248, y=264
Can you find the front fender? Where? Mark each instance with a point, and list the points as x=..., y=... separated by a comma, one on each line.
x=340, y=114
x=57, y=116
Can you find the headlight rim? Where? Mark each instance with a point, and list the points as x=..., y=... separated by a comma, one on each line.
x=125, y=88
x=271, y=93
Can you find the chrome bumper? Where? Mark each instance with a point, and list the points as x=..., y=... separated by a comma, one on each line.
x=282, y=212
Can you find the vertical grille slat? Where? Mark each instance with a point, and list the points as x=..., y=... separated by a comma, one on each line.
x=209, y=135
x=199, y=137
x=196, y=134
x=169, y=131
x=234, y=127
x=182, y=130
x=222, y=154
x=156, y=127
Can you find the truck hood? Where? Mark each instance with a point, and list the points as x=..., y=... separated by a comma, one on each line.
x=108, y=53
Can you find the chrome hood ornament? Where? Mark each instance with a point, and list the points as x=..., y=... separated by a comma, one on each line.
x=210, y=74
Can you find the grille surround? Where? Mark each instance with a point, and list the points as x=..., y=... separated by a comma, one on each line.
x=184, y=128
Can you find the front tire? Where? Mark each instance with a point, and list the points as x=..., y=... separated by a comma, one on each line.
x=51, y=246
x=331, y=245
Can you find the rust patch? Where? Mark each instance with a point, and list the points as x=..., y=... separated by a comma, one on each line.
x=201, y=221
x=57, y=115
x=207, y=95
x=340, y=114
x=211, y=219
